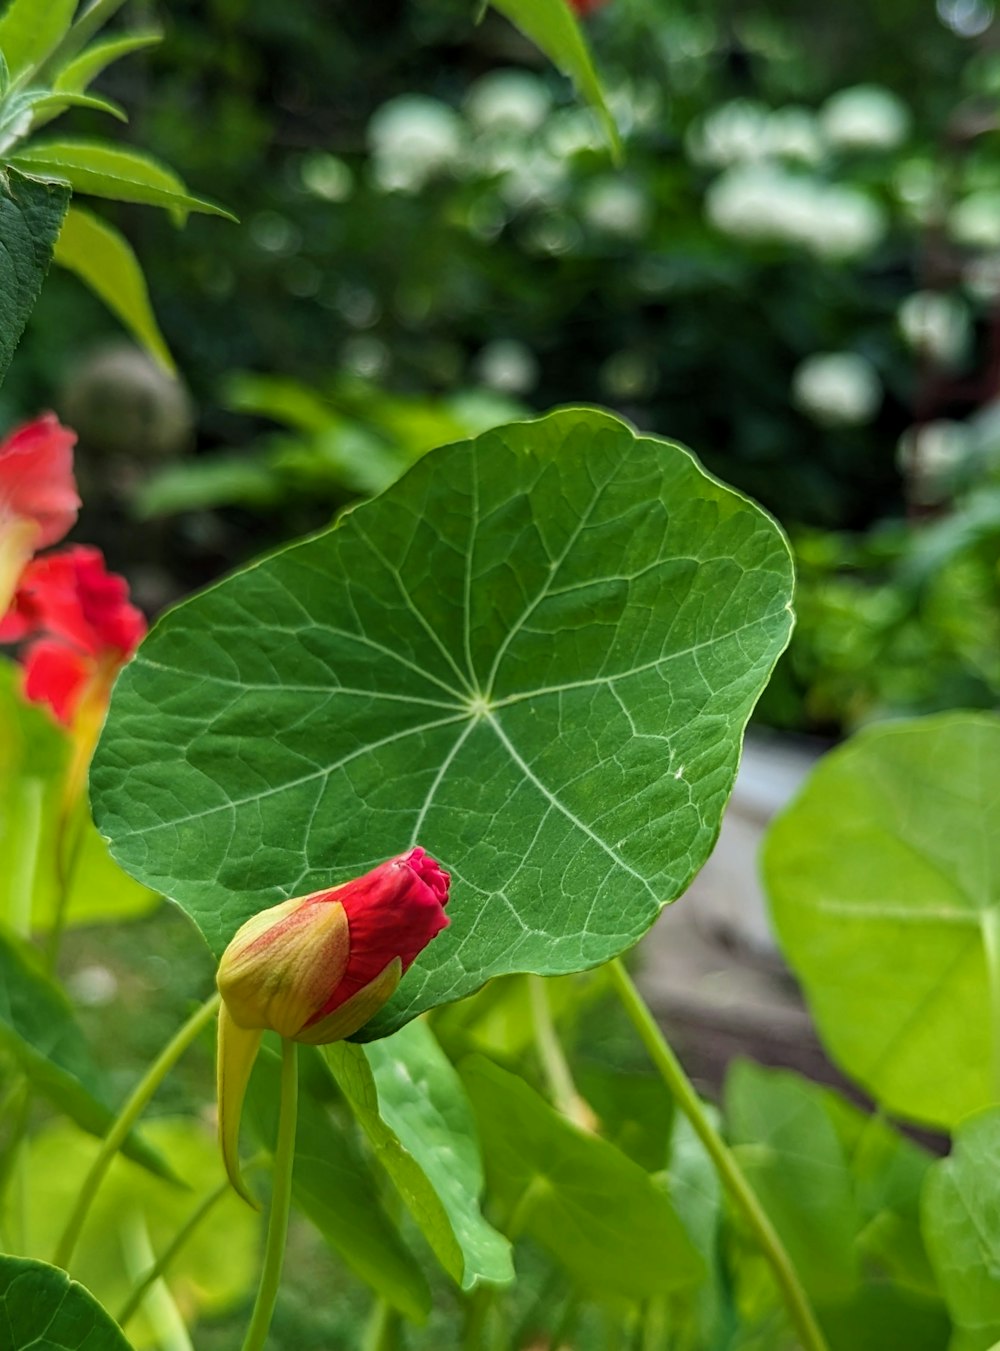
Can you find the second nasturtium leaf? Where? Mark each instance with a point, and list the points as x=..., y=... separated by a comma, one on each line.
x=884, y=878
x=41, y=1309
x=535, y=655
x=412, y=1107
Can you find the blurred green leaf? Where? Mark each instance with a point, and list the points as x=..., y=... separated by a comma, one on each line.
x=793, y=1160
x=103, y=259
x=891, y=849
x=610, y=1224
x=100, y=169
x=41, y=1309
x=38, y=1028
x=34, y=755
x=214, y=1271
x=411, y=1105
x=334, y=1187
x=553, y=27
x=961, y=1203
x=31, y=29
x=31, y=213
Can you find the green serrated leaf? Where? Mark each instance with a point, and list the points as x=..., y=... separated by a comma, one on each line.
x=31, y=29
x=553, y=27
x=31, y=213
x=100, y=169
x=103, y=258
x=41, y=1309
x=890, y=849
x=411, y=1105
x=609, y=1223
x=78, y=74
x=38, y=1029
x=334, y=1187
x=961, y=1202
x=535, y=655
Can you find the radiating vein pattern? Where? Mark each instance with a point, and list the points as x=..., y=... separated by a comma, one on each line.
x=535, y=655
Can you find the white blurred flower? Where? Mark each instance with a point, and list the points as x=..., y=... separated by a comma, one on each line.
x=571, y=130
x=532, y=178
x=765, y=202
x=915, y=182
x=616, y=208
x=413, y=138
x=326, y=176
x=837, y=389
x=981, y=277
x=936, y=325
x=793, y=133
x=930, y=455
x=730, y=134
x=507, y=366
x=865, y=117
x=93, y=986
x=508, y=100
x=975, y=220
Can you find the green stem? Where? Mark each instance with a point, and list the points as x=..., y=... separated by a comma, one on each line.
x=123, y=1123
x=673, y=1075
x=68, y=844
x=554, y=1063
x=990, y=929
x=162, y=1263
x=25, y=837
x=281, y=1201
x=382, y=1332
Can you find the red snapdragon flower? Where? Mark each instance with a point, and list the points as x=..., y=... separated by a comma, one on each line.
x=79, y=628
x=315, y=969
x=38, y=497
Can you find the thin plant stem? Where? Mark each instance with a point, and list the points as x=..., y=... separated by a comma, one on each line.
x=72, y=822
x=162, y=1263
x=990, y=929
x=382, y=1331
x=26, y=838
x=123, y=1123
x=554, y=1063
x=281, y=1201
x=684, y=1095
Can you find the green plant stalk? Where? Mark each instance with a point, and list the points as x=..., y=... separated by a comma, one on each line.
x=26, y=838
x=130, y=1112
x=555, y=1066
x=281, y=1201
x=163, y=1262
x=382, y=1330
x=684, y=1095
x=163, y=1315
x=990, y=928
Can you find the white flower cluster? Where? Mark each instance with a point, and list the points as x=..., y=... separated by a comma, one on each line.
x=837, y=389
x=766, y=202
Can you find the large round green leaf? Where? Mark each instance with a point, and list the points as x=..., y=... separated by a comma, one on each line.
x=884, y=878
x=535, y=655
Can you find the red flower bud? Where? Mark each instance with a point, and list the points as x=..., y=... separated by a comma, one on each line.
x=317, y=968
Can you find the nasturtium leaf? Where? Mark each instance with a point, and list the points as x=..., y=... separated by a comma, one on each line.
x=216, y=1268
x=31, y=29
x=333, y=1186
x=961, y=1223
x=104, y=259
x=606, y=1220
x=34, y=756
x=884, y=877
x=534, y=655
x=553, y=27
x=41, y=1309
x=101, y=169
x=31, y=213
x=38, y=1029
x=794, y=1161
x=410, y=1103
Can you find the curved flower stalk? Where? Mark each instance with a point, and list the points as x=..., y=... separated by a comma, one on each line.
x=315, y=969
x=38, y=497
